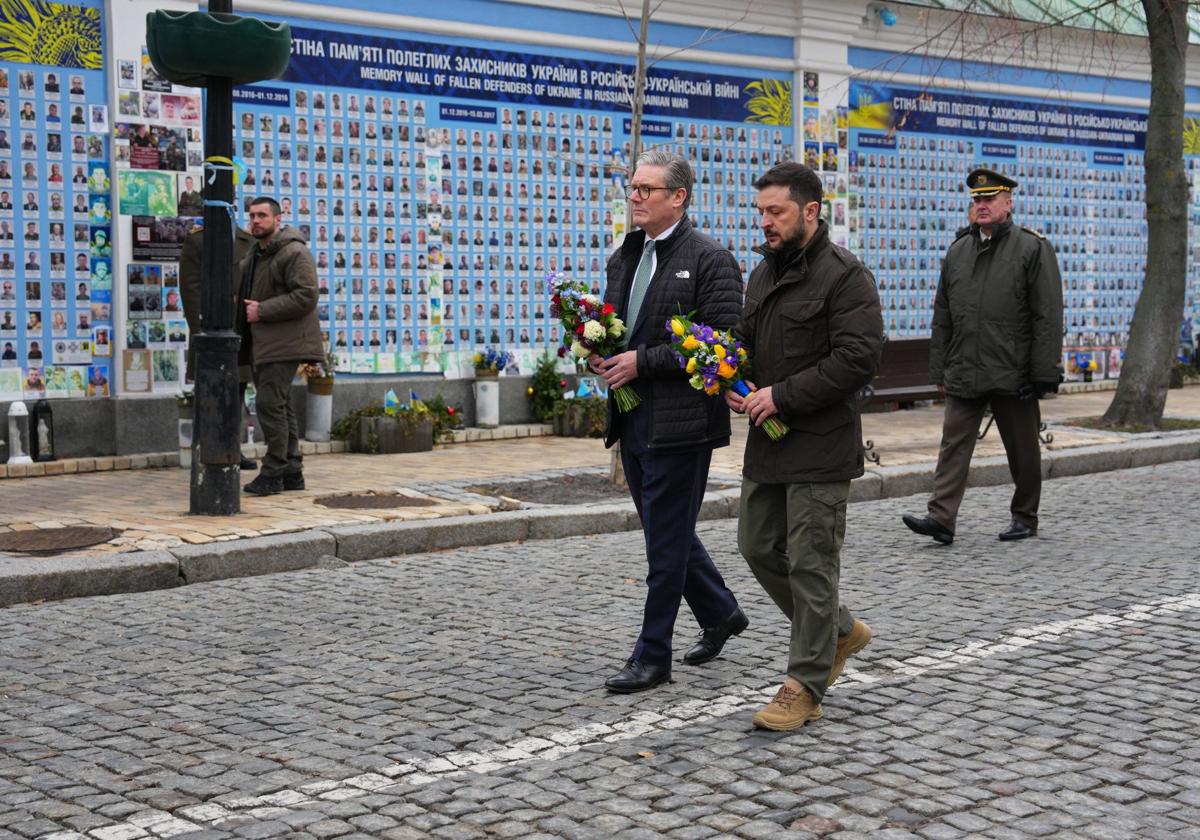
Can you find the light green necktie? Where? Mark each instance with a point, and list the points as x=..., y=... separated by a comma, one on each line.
x=641, y=282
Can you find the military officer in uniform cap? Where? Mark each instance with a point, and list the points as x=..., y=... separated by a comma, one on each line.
x=997, y=341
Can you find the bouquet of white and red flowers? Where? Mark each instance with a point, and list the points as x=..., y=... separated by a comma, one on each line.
x=713, y=359
x=589, y=326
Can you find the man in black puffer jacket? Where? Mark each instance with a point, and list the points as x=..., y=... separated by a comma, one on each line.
x=665, y=268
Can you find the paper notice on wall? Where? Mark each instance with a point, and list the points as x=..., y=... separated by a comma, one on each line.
x=137, y=372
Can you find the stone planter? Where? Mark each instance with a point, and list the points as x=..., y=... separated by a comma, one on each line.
x=487, y=398
x=572, y=421
x=390, y=435
x=318, y=409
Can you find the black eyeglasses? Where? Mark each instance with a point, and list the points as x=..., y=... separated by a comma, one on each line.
x=643, y=192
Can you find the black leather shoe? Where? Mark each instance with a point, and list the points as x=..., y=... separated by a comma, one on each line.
x=248, y=464
x=929, y=528
x=638, y=676
x=712, y=639
x=263, y=485
x=1017, y=531
x=293, y=481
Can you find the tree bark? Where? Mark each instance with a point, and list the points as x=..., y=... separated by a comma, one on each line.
x=1154, y=335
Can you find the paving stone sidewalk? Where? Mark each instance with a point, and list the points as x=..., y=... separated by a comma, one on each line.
x=150, y=506
x=1037, y=689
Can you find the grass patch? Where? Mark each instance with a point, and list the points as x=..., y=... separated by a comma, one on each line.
x=1167, y=424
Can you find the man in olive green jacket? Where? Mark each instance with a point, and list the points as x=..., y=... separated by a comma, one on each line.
x=190, y=283
x=997, y=340
x=814, y=331
x=277, y=318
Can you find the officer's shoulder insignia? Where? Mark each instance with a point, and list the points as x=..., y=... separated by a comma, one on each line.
x=1031, y=230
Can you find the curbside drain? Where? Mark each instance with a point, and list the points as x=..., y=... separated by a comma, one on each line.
x=54, y=540
x=374, y=501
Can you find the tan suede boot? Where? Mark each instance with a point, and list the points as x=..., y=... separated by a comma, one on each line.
x=858, y=638
x=791, y=708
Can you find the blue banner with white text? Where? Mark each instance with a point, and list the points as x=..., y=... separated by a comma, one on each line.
x=367, y=61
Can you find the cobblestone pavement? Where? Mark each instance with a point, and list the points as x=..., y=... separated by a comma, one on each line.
x=1037, y=689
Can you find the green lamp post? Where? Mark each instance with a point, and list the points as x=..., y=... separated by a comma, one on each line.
x=183, y=47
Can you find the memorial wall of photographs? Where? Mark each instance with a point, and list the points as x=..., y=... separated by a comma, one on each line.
x=157, y=152
x=56, y=315
x=434, y=221
x=909, y=200
x=433, y=238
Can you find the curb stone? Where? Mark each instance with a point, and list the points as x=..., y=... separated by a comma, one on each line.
x=254, y=556
x=23, y=579
x=1065, y=463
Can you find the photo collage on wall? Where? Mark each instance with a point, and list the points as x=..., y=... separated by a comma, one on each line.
x=157, y=152
x=826, y=138
x=433, y=238
x=55, y=235
x=909, y=200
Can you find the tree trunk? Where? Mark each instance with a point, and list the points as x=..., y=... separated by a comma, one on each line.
x=1154, y=335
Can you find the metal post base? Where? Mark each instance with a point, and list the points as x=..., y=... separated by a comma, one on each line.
x=216, y=488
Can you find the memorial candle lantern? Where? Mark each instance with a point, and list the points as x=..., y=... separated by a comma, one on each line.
x=41, y=429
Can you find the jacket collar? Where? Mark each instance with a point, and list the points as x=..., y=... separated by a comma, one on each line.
x=999, y=230
x=636, y=241
x=782, y=263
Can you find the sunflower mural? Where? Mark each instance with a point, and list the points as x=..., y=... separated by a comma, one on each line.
x=1191, y=136
x=55, y=34
x=770, y=102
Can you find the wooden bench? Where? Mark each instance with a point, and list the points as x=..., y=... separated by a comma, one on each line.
x=901, y=380
x=903, y=375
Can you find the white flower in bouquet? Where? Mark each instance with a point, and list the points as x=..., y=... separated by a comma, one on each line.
x=594, y=331
x=579, y=351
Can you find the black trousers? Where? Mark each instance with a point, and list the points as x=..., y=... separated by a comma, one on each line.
x=667, y=489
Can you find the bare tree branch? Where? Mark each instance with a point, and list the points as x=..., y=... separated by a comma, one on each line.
x=628, y=20
x=706, y=37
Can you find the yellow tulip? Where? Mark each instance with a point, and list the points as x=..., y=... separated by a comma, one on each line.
x=691, y=366
x=713, y=390
x=677, y=326
x=719, y=351
x=725, y=370
x=690, y=343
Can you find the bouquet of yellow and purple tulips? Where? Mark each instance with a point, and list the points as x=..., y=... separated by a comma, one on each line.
x=713, y=359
